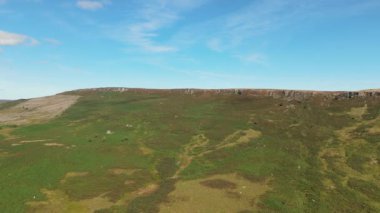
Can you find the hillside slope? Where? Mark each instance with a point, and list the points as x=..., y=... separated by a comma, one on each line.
x=136, y=150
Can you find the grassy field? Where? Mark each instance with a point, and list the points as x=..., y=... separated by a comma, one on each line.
x=175, y=152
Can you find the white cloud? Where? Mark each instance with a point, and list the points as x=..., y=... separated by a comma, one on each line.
x=12, y=39
x=90, y=5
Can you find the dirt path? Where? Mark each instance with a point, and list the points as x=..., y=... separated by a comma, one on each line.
x=201, y=142
x=338, y=152
x=198, y=141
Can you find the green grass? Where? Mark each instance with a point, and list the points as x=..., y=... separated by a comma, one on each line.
x=287, y=153
x=367, y=188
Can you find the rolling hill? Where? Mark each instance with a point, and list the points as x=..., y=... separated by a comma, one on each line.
x=189, y=150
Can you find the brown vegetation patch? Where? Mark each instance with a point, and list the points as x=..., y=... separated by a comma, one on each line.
x=129, y=182
x=219, y=184
x=4, y=153
x=358, y=112
x=7, y=133
x=72, y=175
x=375, y=130
x=145, y=150
x=58, y=201
x=121, y=171
x=195, y=196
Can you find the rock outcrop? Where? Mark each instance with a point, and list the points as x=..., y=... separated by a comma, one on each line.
x=288, y=94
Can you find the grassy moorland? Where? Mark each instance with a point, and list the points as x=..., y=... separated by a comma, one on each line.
x=176, y=152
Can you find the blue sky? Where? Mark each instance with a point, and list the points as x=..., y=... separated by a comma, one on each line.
x=49, y=46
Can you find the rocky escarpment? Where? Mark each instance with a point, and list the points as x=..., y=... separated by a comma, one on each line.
x=275, y=93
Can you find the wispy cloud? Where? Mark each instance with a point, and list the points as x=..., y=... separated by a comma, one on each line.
x=256, y=58
x=143, y=33
x=143, y=29
x=90, y=4
x=53, y=41
x=12, y=39
x=206, y=74
x=215, y=44
x=232, y=30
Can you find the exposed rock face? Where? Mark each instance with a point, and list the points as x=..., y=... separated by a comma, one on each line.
x=371, y=90
x=37, y=110
x=287, y=94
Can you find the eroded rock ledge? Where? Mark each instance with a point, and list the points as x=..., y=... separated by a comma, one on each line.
x=289, y=94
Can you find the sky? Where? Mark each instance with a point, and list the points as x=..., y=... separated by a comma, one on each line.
x=50, y=46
